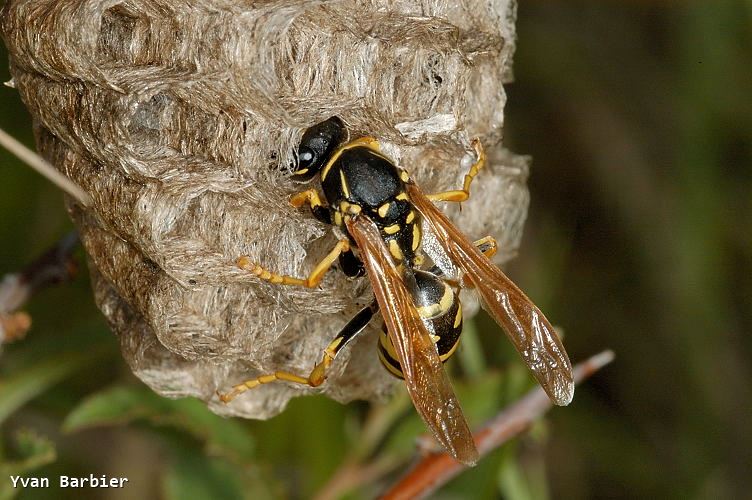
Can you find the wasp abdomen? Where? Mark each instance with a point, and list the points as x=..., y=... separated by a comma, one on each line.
x=441, y=312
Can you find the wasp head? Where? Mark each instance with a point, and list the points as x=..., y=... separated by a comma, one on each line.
x=317, y=146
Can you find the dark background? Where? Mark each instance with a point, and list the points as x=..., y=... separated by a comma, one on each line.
x=638, y=117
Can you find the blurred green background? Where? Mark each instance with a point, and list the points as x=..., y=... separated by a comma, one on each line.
x=638, y=115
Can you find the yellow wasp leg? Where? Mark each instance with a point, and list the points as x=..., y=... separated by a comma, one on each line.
x=317, y=376
x=463, y=194
x=314, y=379
x=487, y=245
x=310, y=197
x=313, y=279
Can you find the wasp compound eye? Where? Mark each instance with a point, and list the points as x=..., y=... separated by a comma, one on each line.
x=305, y=157
x=317, y=146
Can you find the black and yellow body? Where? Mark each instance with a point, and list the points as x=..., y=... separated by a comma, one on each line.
x=379, y=212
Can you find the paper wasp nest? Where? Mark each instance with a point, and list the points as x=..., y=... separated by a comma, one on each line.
x=181, y=118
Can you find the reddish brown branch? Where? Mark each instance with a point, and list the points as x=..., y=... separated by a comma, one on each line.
x=437, y=469
x=54, y=266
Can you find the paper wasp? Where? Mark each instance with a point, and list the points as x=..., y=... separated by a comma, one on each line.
x=381, y=213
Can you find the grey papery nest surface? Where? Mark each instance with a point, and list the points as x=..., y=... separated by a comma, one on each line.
x=181, y=122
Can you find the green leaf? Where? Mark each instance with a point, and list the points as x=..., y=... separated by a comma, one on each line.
x=481, y=398
x=195, y=477
x=114, y=406
x=27, y=383
x=470, y=352
x=125, y=404
x=522, y=479
x=512, y=481
x=33, y=451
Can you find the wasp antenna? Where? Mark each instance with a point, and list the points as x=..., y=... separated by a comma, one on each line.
x=43, y=167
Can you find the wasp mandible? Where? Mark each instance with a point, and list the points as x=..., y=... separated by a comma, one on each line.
x=381, y=213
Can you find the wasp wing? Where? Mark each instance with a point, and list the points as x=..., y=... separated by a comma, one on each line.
x=528, y=329
x=425, y=378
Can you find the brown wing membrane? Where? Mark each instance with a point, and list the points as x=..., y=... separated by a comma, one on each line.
x=530, y=332
x=426, y=381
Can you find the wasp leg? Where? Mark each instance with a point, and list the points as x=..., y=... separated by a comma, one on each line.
x=351, y=265
x=312, y=198
x=313, y=279
x=463, y=194
x=487, y=246
x=318, y=374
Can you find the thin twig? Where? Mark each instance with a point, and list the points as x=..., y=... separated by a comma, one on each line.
x=437, y=469
x=40, y=165
x=54, y=266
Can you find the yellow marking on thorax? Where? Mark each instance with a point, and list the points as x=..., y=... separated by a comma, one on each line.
x=366, y=142
x=401, y=196
x=338, y=218
x=384, y=209
x=410, y=217
x=395, y=250
x=343, y=181
x=349, y=208
x=404, y=176
x=394, y=228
